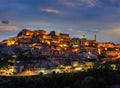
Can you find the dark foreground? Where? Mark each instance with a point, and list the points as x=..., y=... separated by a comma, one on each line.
x=92, y=79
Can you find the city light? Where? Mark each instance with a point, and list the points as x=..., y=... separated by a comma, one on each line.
x=35, y=52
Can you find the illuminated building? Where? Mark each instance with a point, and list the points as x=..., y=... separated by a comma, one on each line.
x=26, y=32
x=106, y=44
x=10, y=42
x=39, y=32
x=111, y=52
x=75, y=42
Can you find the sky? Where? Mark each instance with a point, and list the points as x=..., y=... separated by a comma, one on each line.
x=75, y=17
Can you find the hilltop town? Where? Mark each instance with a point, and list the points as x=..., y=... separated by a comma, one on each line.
x=35, y=50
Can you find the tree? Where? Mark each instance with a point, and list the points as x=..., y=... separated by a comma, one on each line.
x=89, y=82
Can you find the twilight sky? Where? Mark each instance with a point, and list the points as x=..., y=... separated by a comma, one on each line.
x=76, y=17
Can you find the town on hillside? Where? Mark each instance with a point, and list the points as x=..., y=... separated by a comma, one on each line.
x=41, y=52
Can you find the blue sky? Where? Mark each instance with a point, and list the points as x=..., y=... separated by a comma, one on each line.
x=76, y=17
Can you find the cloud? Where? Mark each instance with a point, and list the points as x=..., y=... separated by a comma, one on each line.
x=93, y=30
x=8, y=28
x=90, y=3
x=50, y=10
x=86, y=3
x=70, y=3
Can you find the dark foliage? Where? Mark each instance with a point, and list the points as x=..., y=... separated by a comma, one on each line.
x=103, y=78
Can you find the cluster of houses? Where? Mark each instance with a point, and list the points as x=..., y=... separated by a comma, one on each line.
x=59, y=48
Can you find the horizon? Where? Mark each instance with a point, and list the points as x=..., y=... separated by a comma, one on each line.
x=74, y=17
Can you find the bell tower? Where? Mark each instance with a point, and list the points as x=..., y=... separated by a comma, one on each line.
x=95, y=38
